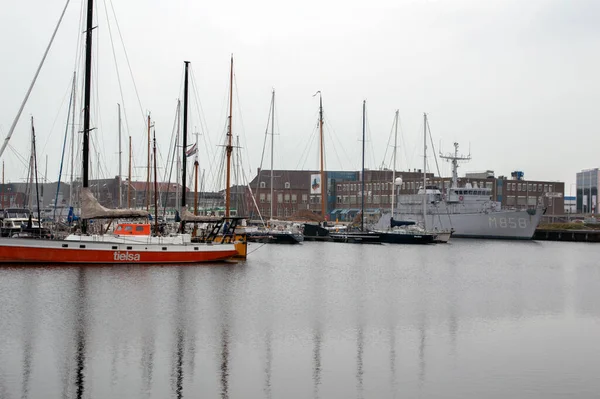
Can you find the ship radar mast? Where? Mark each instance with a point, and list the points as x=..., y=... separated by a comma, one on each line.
x=454, y=158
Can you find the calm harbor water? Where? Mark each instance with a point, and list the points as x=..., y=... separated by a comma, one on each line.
x=471, y=319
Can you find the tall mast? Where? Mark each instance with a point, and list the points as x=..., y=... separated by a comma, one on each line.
x=196, y=178
x=425, y=171
x=362, y=179
x=394, y=163
x=129, y=177
x=229, y=147
x=30, y=171
x=37, y=191
x=155, y=190
x=184, y=146
x=178, y=166
x=3, y=206
x=322, y=156
x=45, y=180
x=87, y=98
x=73, y=137
x=272, y=145
x=148, y=169
x=120, y=170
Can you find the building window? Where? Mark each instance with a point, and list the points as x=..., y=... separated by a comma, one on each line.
x=339, y=187
x=294, y=198
x=539, y=188
x=279, y=198
x=262, y=198
x=519, y=187
x=269, y=198
x=376, y=199
x=287, y=184
x=550, y=188
x=529, y=187
x=263, y=184
x=339, y=199
x=304, y=198
x=287, y=198
x=545, y=188
x=353, y=199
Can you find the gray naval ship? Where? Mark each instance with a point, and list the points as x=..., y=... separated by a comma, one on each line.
x=469, y=211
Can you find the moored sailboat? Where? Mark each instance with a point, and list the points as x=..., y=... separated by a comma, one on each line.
x=398, y=232
x=86, y=249
x=274, y=232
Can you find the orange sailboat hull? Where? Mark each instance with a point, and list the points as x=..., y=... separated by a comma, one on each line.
x=40, y=251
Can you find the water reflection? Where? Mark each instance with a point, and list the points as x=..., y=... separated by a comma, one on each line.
x=29, y=329
x=336, y=321
x=268, y=364
x=80, y=331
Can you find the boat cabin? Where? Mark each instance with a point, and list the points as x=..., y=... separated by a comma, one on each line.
x=133, y=229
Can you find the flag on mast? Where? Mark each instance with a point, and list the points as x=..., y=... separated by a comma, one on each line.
x=193, y=150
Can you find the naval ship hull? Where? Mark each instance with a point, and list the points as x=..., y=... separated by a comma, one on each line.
x=503, y=224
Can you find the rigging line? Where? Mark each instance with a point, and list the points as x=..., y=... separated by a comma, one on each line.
x=200, y=109
x=68, y=91
x=239, y=106
x=172, y=144
x=14, y=124
x=336, y=136
x=433, y=149
x=390, y=135
x=203, y=126
x=305, y=152
x=112, y=45
x=62, y=158
x=370, y=137
x=80, y=31
x=128, y=63
x=335, y=151
x=18, y=155
x=262, y=157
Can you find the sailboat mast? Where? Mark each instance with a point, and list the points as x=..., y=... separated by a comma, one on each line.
x=37, y=191
x=120, y=169
x=129, y=178
x=196, y=179
x=148, y=169
x=155, y=190
x=272, y=145
x=229, y=147
x=178, y=166
x=425, y=171
x=362, y=197
x=394, y=163
x=185, y=126
x=322, y=155
x=86, y=99
x=73, y=137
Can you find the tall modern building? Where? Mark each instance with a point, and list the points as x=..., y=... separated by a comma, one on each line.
x=587, y=191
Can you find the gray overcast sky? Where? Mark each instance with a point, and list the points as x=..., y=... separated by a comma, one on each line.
x=516, y=80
